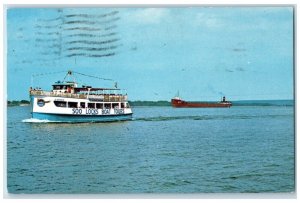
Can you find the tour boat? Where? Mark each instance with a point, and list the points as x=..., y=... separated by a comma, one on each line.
x=67, y=102
x=179, y=103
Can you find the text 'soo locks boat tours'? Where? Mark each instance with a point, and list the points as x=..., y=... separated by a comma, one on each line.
x=179, y=103
x=67, y=102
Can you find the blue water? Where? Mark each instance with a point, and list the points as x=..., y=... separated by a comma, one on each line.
x=163, y=150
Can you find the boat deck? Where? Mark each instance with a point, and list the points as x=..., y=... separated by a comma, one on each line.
x=101, y=97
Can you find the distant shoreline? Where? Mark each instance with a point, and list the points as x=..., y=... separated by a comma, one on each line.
x=234, y=103
x=167, y=103
x=18, y=103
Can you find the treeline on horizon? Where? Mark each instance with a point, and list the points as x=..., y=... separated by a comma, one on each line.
x=167, y=103
x=17, y=103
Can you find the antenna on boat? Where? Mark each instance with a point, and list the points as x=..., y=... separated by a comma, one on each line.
x=69, y=73
x=31, y=85
x=91, y=76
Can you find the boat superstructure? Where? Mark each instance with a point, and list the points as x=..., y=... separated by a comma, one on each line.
x=67, y=102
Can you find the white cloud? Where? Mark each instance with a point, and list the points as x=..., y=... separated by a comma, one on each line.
x=149, y=15
x=207, y=20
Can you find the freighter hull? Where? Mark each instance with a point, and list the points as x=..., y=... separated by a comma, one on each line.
x=178, y=103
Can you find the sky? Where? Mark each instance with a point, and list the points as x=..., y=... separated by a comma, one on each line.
x=204, y=53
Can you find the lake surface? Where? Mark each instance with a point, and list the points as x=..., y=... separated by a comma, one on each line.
x=243, y=149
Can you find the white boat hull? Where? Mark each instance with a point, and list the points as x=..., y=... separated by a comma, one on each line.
x=44, y=108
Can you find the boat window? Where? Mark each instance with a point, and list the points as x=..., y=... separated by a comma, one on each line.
x=127, y=105
x=115, y=105
x=99, y=105
x=82, y=104
x=56, y=87
x=60, y=103
x=107, y=105
x=91, y=105
x=72, y=104
x=122, y=105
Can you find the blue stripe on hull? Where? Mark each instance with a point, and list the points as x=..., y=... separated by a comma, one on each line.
x=80, y=118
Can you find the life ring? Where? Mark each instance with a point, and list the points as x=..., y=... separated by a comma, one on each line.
x=40, y=102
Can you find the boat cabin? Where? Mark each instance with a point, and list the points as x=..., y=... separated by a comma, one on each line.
x=64, y=87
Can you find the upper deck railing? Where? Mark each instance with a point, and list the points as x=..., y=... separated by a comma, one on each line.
x=96, y=97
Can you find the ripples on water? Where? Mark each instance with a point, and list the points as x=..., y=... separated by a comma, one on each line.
x=162, y=150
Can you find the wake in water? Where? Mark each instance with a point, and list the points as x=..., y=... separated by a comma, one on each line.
x=34, y=120
x=206, y=117
x=170, y=118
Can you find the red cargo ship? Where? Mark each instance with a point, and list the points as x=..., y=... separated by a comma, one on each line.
x=179, y=103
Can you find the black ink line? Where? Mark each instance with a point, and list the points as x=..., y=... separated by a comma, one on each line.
x=92, y=16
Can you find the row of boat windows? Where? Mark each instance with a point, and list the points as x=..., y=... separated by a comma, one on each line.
x=90, y=105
